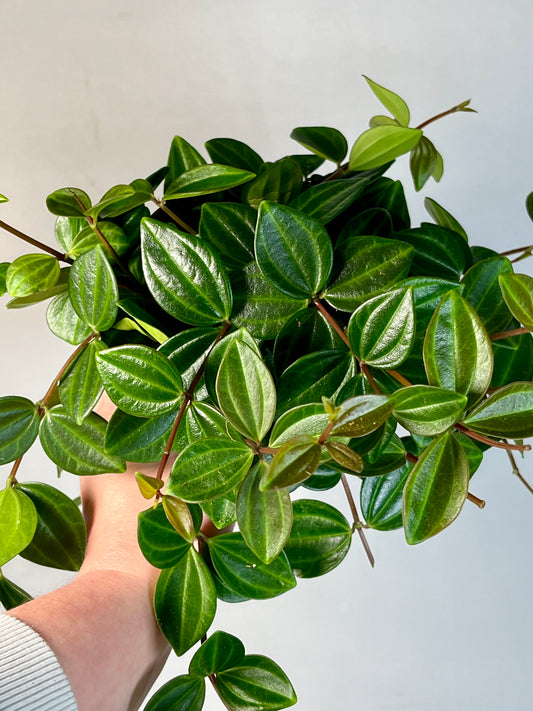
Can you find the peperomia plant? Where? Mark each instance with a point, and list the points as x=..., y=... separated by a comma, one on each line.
x=273, y=327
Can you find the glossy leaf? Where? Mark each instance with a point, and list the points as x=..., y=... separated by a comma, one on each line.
x=80, y=390
x=457, y=350
x=217, y=354
x=31, y=273
x=185, y=601
x=507, y=412
x=319, y=540
x=423, y=161
x=381, y=499
x=294, y=462
x=246, y=392
x=221, y=651
x=221, y=511
x=140, y=381
x=326, y=200
x=391, y=101
x=230, y=229
x=185, y=277
x=293, y=251
x=140, y=439
x=208, y=468
x=229, y=151
x=160, y=543
x=204, y=420
x=11, y=595
x=87, y=239
x=244, y=572
x=349, y=460
x=256, y=684
x=439, y=252
x=483, y=293
x=18, y=521
x=182, y=157
x=513, y=360
x=36, y=297
x=517, y=290
x=381, y=144
x=60, y=537
x=79, y=449
x=180, y=517
x=381, y=331
x=182, y=693
x=141, y=311
x=425, y=410
x=370, y=265
x=361, y=415
x=435, y=490
x=148, y=485
x=443, y=218
x=187, y=351
x=265, y=517
x=309, y=419
x=19, y=426
x=68, y=202
x=93, y=290
x=328, y=143
x=279, y=182
x=206, y=179
x=64, y=322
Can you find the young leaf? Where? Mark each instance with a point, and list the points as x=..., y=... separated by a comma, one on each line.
x=443, y=218
x=294, y=462
x=93, y=290
x=246, y=392
x=345, y=456
x=80, y=390
x=265, y=517
x=206, y=179
x=328, y=143
x=208, y=468
x=435, y=490
x=391, y=101
x=181, y=158
x=457, y=350
x=31, y=273
x=160, y=543
x=221, y=651
x=183, y=693
x=426, y=410
x=293, y=251
x=19, y=425
x=180, y=517
x=517, y=290
x=60, y=537
x=68, y=202
x=508, y=412
x=256, y=684
x=244, y=572
x=423, y=161
x=185, y=277
x=381, y=331
x=140, y=381
x=185, y=601
x=148, y=485
x=361, y=415
x=319, y=540
x=18, y=521
x=379, y=145
x=229, y=151
x=79, y=449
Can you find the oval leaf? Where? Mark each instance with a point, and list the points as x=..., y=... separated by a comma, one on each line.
x=391, y=101
x=221, y=651
x=19, y=425
x=206, y=179
x=381, y=144
x=508, y=412
x=18, y=521
x=517, y=290
x=93, y=290
x=256, y=684
x=294, y=462
x=328, y=143
x=425, y=410
x=160, y=543
x=31, y=273
x=183, y=693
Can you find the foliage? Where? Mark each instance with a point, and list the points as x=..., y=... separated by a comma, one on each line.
x=277, y=326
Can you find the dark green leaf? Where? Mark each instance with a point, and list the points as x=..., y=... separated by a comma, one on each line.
x=323, y=479
x=435, y=490
x=206, y=179
x=31, y=273
x=483, y=293
x=319, y=540
x=293, y=251
x=307, y=162
x=457, y=350
x=361, y=415
x=208, y=468
x=369, y=265
x=328, y=143
x=140, y=381
x=187, y=351
x=221, y=511
x=185, y=277
x=93, y=290
x=185, y=601
x=391, y=101
x=513, y=360
x=81, y=388
x=11, y=595
x=425, y=410
x=381, y=499
x=230, y=229
x=246, y=392
x=18, y=521
x=294, y=462
x=229, y=151
x=204, y=420
x=423, y=161
x=60, y=537
x=68, y=202
x=79, y=449
x=221, y=651
x=517, y=290
x=141, y=439
x=265, y=517
x=182, y=157
x=439, y=252
x=183, y=693
x=374, y=221
x=245, y=573
x=64, y=322
x=160, y=543
x=381, y=144
x=256, y=684
x=508, y=412
x=19, y=425
x=218, y=352
x=280, y=182
x=389, y=195
x=381, y=331
x=443, y=218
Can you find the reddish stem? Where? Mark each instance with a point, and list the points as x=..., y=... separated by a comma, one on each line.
x=357, y=520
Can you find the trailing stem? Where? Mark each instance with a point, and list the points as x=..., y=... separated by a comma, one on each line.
x=44, y=247
x=517, y=473
x=357, y=521
x=509, y=334
x=493, y=442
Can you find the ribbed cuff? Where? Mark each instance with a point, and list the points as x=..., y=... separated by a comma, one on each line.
x=31, y=678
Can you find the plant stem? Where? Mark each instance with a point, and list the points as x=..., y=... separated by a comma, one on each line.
x=492, y=442
x=365, y=370
x=508, y=334
x=161, y=205
x=212, y=678
x=516, y=250
x=50, y=250
x=474, y=499
x=329, y=318
x=357, y=520
x=44, y=401
x=399, y=377
x=109, y=249
x=453, y=110
x=11, y=479
x=516, y=471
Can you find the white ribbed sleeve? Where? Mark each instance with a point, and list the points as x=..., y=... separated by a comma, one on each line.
x=31, y=678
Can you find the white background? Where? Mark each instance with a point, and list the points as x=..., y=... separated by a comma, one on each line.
x=91, y=95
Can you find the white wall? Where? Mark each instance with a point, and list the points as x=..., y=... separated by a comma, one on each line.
x=91, y=95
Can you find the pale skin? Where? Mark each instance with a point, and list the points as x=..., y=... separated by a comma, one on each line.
x=101, y=626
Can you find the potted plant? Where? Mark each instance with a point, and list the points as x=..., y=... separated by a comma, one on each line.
x=278, y=326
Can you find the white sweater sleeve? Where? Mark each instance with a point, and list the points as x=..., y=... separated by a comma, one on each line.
x=31, y=678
